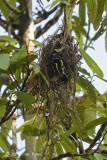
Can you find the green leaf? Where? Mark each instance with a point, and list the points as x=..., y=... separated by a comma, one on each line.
x=4, y=9
x=8, y=39
x=82, y=9
x=98, y=156
x=4, y=78
x=44, y=78
x=26, y=98
x=19, y=55
x=68, y=145
x=28, y=122
x=79, y=126
x=54, y=3
x=92, y=8
x=65, y=2
x=4, y=61
x=84, y=71
x=13, y=2
x=2, y=110
x=59, y=149
x=88, y=117
x=106, y=40
x=37, y=43
x=95, y=123
x=22, y=53
x=85, y=84
x=99, y=14
x=36, y=68
x=91, y=63
x=105, y=5
x=33, y=131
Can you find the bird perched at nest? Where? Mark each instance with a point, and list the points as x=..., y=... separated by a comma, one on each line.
x=58, y=69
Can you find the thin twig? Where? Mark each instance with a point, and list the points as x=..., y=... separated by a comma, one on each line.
x=45, y=14
x=40, y=31
x=100, y=142
x=14, y=79
x=43, y=153
x=98, y=136
x=69, y=154
x=4, y=119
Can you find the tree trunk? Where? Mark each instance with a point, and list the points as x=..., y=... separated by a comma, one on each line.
x=27, y=39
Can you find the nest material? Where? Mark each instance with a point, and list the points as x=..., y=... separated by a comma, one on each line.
x=61, y=53
x=56, y=50
x=59, y=50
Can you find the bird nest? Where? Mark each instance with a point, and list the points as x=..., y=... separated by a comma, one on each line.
x=59, y=61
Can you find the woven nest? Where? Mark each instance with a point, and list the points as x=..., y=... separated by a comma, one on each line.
x=59, y=50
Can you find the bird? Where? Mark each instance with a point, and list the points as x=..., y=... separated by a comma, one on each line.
x=58, y=69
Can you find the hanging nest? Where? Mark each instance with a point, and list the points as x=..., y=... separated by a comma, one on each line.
x=59, y=61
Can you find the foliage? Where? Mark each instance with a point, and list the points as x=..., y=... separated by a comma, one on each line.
x=74, y=120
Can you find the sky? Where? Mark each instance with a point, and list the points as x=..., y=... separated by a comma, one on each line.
x=99, y=55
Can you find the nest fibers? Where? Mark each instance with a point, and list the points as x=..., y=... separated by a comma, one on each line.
x=59, y=61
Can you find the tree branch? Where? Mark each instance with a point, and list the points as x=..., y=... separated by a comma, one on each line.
x=40, y=31
x=69, y=154
x=45, y=14
x=98, y=136
x=99, y=32
x=6, y=117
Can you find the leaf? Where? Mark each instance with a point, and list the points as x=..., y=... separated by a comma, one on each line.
x=92, y=8
x=95, y=123
x=33, y=131
x=8, y=39
x=59, y=149
x=88, y=117
x=44, y=78
x=98, y=156
x=4, y=9
x=36, y=68
x=79, y=126
x=105, y=5
x=65, y=2
x=84, y=71
x=68, y=145
x=91, y=63
x=106, y=40
x=2, y=110
x=84, y=83
x=82, y=9
x=4, y=78
x=101, y=78
x=26, y=98
x=54, y=3
x=22, y=53
x=4, y=61
x=13, y=2
x=99, y=14
x=37, y=43
x=4, y=144
x=28, y=122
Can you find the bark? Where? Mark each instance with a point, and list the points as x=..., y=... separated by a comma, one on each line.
x=28, y=36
